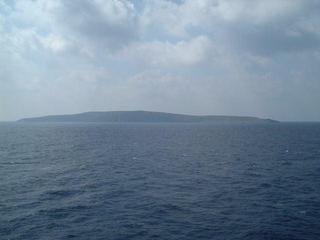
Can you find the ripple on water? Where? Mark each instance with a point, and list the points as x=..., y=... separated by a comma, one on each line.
x=159, y=181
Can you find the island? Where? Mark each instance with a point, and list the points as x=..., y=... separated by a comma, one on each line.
x=146, y=116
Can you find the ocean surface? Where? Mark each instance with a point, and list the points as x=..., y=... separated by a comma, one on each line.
x=159, y=181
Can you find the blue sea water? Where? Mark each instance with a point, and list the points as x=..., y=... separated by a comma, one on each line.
x=159, y=181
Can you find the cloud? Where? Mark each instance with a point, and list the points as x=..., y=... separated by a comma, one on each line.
x=261, y=27
x=106, y=25
x=166, y=54
x=206, y=57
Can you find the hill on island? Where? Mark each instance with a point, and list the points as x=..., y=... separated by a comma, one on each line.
x=145, y=116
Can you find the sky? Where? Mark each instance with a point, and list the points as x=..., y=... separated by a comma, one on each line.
x=221, y=57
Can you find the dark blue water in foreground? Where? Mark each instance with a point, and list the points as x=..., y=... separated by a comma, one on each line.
x=159, y=181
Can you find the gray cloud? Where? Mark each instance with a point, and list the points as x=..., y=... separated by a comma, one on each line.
x=109, y=24
x=241, y=57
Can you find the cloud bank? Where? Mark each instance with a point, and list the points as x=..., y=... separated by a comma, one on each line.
x=258, y=58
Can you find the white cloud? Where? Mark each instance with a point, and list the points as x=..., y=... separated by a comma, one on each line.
x=205, y=56
x=54, y=43
x=182, y=53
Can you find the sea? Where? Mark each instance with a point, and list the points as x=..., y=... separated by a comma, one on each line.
x=165, y=181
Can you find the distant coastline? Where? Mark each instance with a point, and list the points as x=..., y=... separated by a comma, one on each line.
x=146, y=116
